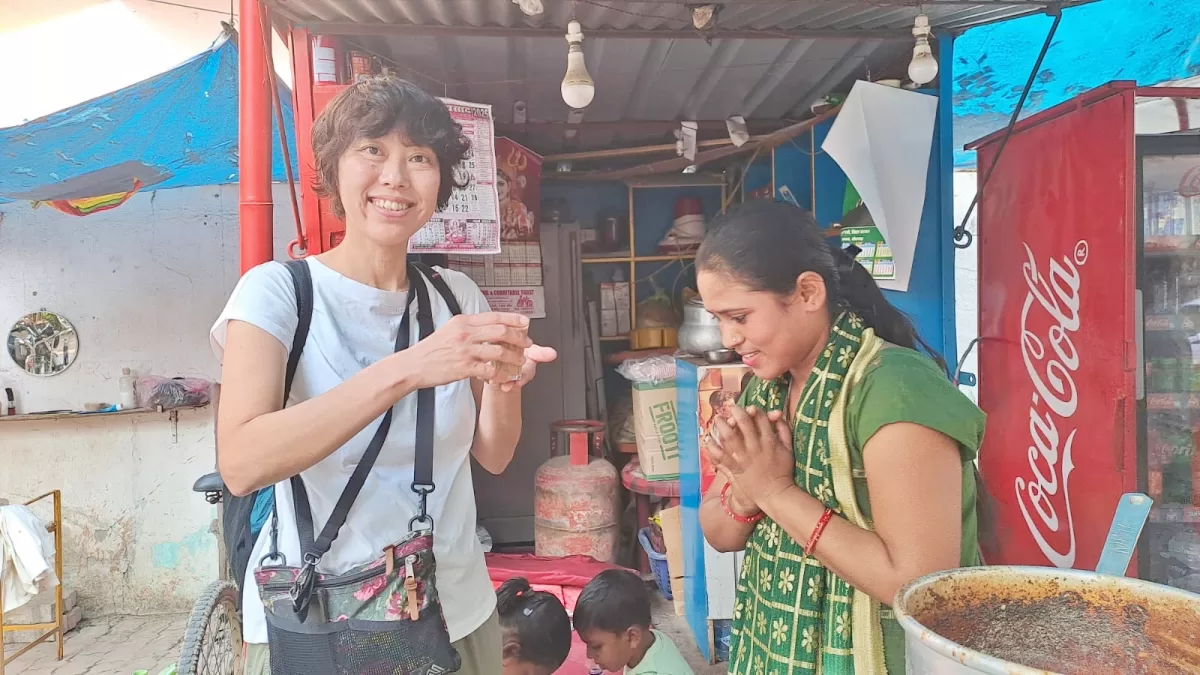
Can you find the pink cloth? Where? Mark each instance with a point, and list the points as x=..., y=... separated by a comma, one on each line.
x=564, y=578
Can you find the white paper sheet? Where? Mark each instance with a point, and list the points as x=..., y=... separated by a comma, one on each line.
x=882, y=139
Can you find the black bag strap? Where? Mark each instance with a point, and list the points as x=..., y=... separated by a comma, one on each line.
x=426, y=400
x=314, y=548
x=302, y=282
x=303, y=286
x=439, y=282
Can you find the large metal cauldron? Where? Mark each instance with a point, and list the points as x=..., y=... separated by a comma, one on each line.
x=1039, y=620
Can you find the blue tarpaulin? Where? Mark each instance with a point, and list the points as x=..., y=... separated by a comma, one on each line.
x=176, y=129
x=1150, y=41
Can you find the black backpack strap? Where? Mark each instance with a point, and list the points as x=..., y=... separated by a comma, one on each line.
x=239, y=534
x=303, y=286
x=302, y=283
x=313, y=549
x=443, y=289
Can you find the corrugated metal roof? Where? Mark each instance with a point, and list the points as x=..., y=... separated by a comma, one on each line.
x=735, y=15
x=765, y=60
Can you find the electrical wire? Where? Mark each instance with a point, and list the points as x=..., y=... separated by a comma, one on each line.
x=962, y=237
x=192, y=7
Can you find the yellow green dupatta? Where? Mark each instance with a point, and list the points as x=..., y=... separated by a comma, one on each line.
x=793, y=616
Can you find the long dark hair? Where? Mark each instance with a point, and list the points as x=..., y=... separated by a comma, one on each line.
x=537, y=620
x=767, y=245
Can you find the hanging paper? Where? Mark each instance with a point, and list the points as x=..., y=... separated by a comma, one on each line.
x=519, y=185
x=858, y=229
x=882, y=140
x=470, y=223
x=527, y=300
x=875, y=254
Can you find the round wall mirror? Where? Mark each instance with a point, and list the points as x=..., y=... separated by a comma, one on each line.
x=43, y=343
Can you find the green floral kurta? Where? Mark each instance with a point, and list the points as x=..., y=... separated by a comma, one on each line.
x=792, y=615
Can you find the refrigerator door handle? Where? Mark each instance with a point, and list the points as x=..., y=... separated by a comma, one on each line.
x=1139, y=363
x=1119, y=435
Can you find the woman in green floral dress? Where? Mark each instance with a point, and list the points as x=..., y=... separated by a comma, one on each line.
x=847, y=469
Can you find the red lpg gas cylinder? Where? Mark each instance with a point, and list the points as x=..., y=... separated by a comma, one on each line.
x=576, y=507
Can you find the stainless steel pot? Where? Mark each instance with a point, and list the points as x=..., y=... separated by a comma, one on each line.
x=700, y=332
x=1051, y=620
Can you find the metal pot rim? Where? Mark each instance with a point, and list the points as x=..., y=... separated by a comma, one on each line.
x=990, y=664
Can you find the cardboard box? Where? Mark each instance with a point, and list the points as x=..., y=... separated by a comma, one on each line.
x=657, y=430
x=623, y=323
x=608, y=323
x=608, y=299
x=621, y=295
x=672, y=530
x=720, y=388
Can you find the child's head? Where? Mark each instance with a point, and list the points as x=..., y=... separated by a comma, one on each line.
x=612, y=616
x=536, y=629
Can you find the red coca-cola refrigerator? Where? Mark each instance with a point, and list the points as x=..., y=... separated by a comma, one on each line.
x=1089, y=328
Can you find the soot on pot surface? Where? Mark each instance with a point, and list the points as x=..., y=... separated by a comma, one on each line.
x=1065, y=632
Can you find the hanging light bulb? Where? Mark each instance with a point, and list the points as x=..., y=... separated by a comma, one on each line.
x=578, y=89
x=923, y=67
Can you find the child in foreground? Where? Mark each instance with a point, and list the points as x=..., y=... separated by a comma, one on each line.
x=612, y=617
x=535, y=629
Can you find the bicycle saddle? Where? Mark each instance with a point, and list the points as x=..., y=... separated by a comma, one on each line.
x=209, y=482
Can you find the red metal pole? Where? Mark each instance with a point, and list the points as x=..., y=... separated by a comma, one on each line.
x=255, y=210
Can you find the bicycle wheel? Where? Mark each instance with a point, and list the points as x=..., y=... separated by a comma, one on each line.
x=212, y=644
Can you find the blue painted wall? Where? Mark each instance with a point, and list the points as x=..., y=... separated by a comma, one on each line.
x=929, y=301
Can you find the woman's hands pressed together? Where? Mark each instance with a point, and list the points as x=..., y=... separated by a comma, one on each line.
x=753, y=450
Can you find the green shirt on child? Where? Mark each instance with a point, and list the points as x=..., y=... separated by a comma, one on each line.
x=663, y=658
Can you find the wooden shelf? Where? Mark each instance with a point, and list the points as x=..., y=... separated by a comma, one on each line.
x=614, y=338
x=1164, y=401
x=38, y=417
x=677, y=180
x=637, y=259
x=1175, y=513
x=1169, y=322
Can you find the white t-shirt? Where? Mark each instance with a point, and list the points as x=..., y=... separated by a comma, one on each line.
x=354, y=326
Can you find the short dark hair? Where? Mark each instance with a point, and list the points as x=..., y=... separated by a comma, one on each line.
x=375, y=107
x=613, y=601
x=537, y=619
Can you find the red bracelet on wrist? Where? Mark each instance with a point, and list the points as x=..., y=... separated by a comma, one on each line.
x=729, y=511
x=817, y=532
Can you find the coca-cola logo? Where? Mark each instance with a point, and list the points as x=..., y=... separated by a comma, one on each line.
x=1051, y=360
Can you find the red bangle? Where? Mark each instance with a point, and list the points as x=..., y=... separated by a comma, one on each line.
x=729, y=512
x=817, y=532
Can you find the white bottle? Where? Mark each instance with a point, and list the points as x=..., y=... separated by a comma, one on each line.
x=128, y=393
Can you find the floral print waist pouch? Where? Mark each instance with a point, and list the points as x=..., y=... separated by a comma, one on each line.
x=383, y=616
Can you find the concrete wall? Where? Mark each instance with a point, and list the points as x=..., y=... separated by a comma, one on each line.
x=142, y=284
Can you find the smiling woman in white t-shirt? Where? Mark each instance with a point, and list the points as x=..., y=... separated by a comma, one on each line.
x=386, y=155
